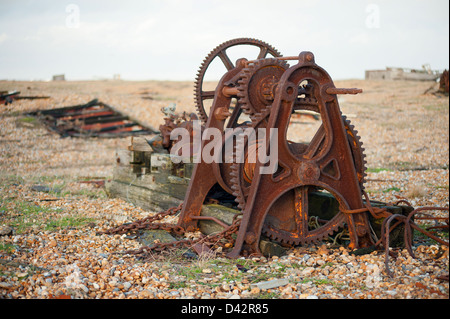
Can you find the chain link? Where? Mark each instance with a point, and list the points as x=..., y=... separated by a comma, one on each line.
x=149, y=223
x=226, y=235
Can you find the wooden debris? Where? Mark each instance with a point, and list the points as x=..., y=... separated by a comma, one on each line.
x=93, y=119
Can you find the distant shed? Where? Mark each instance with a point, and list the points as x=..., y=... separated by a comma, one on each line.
x=59, y=77
x=392, y=74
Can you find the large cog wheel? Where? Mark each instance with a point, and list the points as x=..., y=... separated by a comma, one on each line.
x=274, y=228
x=220, y=51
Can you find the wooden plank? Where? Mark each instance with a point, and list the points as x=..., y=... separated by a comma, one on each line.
x=145, y=198
x=139, y=144
x=123, y=158
x=161, y=183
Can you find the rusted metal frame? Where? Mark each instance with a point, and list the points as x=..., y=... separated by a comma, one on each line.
x=75, y=111
x=109, y=134
x=112, y=134
x=106, y=127
x=8, y=97
x=104, y=119
x=100, y=126
x=255, y=210
x=95, y=129
x=307, y=167
x=97, y=120
x=66, y=108
x=31, y=97
x=104, y=112
x=220, y=111
x=202, y=180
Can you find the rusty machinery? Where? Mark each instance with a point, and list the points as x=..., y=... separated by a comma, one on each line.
x=265, y=93
x=268, y=93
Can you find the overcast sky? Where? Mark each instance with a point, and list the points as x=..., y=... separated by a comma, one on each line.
x=168, y=39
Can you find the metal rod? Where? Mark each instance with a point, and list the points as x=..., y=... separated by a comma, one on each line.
x=214, y=219
x=343, y=91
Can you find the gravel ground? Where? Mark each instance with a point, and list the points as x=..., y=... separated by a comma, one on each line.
x=50, y=248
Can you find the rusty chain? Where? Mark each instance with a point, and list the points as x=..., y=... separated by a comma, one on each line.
x=216, y=239
x=386, y=228
x=149, y=223
x=211, y=240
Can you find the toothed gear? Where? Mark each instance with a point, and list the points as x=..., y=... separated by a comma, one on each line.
x=357, y=150
x=237, y=186
x=220, y=51
x=241, y=187
x=257, y=84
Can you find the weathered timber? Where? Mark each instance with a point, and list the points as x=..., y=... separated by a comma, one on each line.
x=140, y=144
x=160, y=183
x=147, y=180
x=142, y=197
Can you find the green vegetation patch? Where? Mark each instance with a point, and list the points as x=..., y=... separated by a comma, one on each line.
x=23, y=216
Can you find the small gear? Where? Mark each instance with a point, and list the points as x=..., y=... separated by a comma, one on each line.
x=257, y=84
x=220, y=51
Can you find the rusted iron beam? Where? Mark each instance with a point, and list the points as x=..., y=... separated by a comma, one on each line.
x=93, y=119
x=7, y=97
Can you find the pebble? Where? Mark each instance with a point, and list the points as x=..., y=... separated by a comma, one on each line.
x=5, y=285
x=5, y=230
x=255, y=290
x=271, y=283
x=126, y=285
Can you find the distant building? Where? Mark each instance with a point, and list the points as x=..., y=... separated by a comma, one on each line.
x=59, y=77
x=403, y=74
